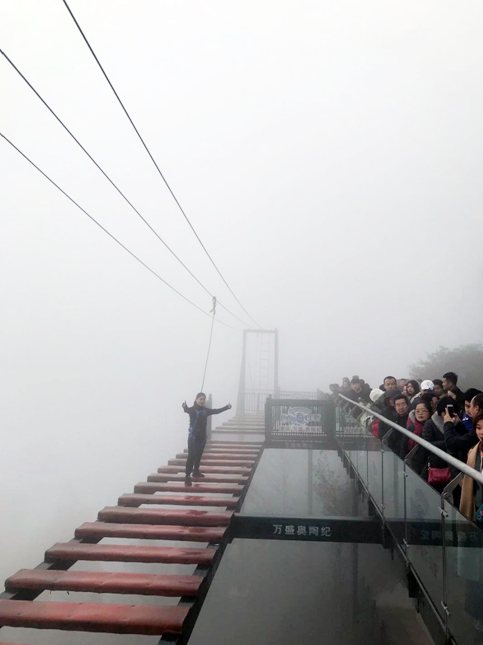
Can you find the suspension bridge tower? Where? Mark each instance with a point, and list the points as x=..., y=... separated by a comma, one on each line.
x=259, y=370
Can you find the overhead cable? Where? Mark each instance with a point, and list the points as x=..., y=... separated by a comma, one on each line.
x=112, y=182
x=153, y=160
x=108, y=233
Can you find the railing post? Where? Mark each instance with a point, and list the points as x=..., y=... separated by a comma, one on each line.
x=328, y=417
x=444, y=602
x=268, y=419
x=275, y=363
x=240, y=406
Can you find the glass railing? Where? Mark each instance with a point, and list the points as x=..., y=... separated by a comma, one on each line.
x=443, y=547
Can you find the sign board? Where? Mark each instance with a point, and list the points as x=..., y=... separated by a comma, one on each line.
x=299, y=419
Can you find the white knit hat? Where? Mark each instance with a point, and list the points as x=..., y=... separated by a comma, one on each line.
x=376, y=394
x=427, y=385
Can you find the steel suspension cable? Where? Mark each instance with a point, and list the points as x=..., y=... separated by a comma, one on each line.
x=112, y=182
x=152, y=158
x=107, y=232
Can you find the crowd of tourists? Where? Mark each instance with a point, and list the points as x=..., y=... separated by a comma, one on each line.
x=436, y=410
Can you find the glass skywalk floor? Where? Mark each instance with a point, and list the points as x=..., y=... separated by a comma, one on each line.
x=301, y=581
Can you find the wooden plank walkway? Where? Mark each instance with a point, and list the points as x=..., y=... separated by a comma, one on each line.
x=227, y=467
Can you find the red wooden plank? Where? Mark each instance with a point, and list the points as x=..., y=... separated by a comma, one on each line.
x=254, y=442
x=228, y=451
x=134, y=499
x=72, y=551
x=181, y=516
x=213, y=454
x=213, y=462
x=227, y=455
x=149, y=532
x=231, y=454
x=228, y=443
x=154, y=487
x=241, y=429
x=221, y=470
x=208, y=478
x=248, y=431
x=219, y=442
x=214, y=457
x=246, y=420
x=233, y=446
x=93, y=617
x=145, y=584
x=243, y=426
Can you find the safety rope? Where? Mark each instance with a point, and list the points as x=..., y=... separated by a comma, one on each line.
x=213, y=311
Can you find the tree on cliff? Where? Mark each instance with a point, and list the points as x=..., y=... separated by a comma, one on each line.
x=466, y=361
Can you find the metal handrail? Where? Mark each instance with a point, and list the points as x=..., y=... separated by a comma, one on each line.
x=460, y=465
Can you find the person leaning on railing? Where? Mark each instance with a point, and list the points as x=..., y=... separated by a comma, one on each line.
x=422, y=413
x=436, y=471
x=471, y=503
x=357, y=394
x=401, y=408
x=388, y=411
x=377, y=405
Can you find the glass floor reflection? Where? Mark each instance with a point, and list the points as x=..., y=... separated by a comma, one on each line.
x=285, y=592
x=302, y=483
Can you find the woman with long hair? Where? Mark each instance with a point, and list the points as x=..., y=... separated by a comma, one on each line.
x=412, y=390
x=422, y=413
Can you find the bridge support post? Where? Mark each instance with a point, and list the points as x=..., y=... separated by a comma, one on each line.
x=240, y=405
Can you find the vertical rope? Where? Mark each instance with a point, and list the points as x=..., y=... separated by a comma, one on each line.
x=213, y=311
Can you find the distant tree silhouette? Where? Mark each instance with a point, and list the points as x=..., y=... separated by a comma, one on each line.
x=466, y=361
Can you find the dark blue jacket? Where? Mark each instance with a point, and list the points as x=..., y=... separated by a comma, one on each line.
x=198, y=418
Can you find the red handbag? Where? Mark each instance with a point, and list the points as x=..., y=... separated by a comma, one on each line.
x=439, y=475
x=375, y=428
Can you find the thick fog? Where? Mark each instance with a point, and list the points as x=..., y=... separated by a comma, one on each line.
x=327, y=153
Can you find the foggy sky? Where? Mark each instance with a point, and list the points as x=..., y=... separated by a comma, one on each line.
x=329, y=156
